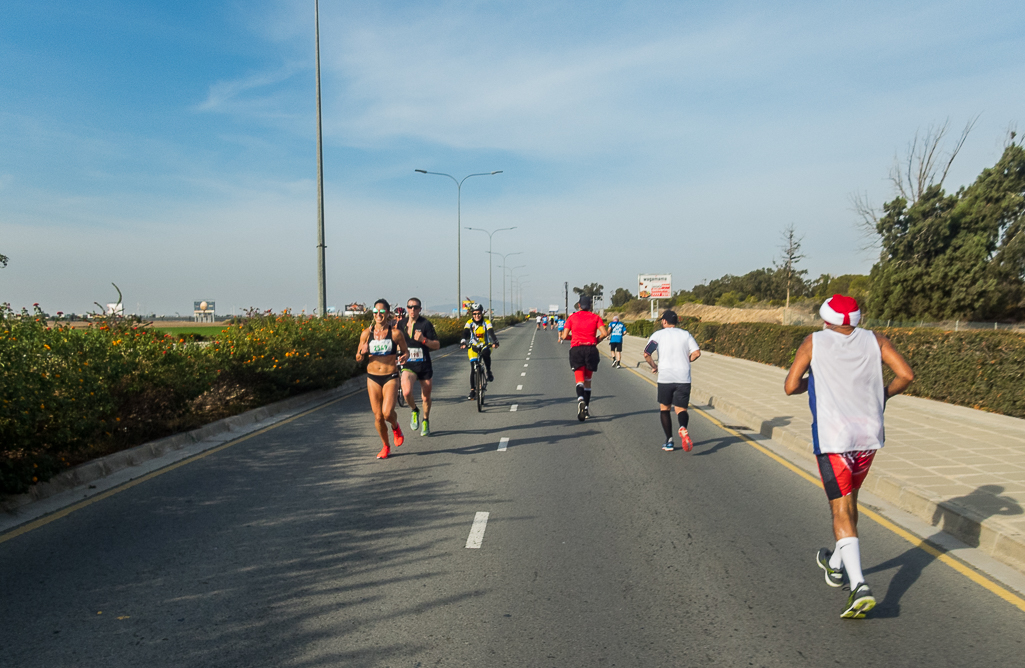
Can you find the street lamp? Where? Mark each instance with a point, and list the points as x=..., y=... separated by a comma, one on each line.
x=490, y=234
x=459, y=228
x=519, y=287
x=321, y=277
x=503, y=274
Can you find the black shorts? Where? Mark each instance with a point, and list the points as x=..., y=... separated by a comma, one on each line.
x=616, y=347
x=423, y=370
x=674, y=394
x=584, y=357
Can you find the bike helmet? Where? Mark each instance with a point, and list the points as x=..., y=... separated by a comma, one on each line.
x=477, y=307
x=400, y=312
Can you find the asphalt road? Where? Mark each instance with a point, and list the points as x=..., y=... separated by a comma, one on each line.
x=296, y=547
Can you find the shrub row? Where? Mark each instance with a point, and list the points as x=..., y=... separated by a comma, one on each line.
x=646, y=327
x=979, y=369
x=69, y=395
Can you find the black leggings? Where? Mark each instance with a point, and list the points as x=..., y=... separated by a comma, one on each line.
x=486, y=356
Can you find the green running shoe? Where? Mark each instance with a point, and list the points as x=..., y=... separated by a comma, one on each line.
x=414, y=420
x=834, y=576
x=860, y=601
x=425, y=430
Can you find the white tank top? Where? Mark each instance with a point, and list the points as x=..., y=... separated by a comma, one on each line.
x=845, y=392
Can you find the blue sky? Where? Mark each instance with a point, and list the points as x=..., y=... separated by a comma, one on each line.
x=170, y=147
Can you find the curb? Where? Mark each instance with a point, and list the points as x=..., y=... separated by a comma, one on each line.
x=963, y=523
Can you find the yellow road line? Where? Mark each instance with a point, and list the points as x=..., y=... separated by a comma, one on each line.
x=932, y=550
x=64, y=512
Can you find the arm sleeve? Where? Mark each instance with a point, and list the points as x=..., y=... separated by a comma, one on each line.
x=651, y=347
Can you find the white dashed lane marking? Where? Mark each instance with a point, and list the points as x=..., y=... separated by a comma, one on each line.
x=523, y=373
x=476, y=537
x=512, y=409
x=503, y=444
x=519, y=387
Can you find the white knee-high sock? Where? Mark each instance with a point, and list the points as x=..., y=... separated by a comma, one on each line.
x=850, y=550
x=836, y=559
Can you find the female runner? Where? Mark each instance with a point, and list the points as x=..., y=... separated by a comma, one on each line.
x=385, y=346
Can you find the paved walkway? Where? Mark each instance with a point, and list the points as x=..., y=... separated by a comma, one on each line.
x=960, y=469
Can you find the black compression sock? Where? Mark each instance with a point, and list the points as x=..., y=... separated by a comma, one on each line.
x=667, y=423
x=580, y=391
x=587, y=396
x=684, y=418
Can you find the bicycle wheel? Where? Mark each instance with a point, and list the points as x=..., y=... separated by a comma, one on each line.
x=481, y=382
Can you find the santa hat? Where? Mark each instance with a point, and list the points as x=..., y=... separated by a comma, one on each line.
x=841, y=310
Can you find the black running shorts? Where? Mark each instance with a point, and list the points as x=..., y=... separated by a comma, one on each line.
x=423, y=370
x=616, y=347
x=674, y=394
x=584, y=357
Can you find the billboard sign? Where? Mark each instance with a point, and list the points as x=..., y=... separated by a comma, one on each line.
x=655, y=286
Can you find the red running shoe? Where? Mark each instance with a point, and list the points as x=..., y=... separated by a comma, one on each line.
x=383, y=454
x=399, y=438
x=685, y=440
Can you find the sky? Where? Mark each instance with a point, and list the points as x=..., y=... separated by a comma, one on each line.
x=170, y=148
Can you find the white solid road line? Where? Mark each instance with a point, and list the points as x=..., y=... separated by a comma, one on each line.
x=519, y=387
x=503, y=444
x=512, y=409
x=476, y=537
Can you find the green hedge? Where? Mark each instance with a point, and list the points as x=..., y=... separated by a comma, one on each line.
x=979, y=369
x=646, y=327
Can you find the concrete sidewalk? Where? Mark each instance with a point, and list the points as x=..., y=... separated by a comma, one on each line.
x=959, y=469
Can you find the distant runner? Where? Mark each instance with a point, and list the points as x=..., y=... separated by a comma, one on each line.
x=386, y=348
x=584, y=329
x=560, y=322
x=676, y=350
x=847, y=399
x=616, y=331
x=421, y=339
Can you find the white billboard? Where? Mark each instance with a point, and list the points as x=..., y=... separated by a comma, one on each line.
x=655, y=286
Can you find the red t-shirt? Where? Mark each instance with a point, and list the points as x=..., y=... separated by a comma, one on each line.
x=583, y=325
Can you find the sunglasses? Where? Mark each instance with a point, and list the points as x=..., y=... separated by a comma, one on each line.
x=378, y=310
x=412, y=306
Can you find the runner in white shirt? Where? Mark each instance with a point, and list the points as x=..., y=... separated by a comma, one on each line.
x=847, y=398
x=676, y=350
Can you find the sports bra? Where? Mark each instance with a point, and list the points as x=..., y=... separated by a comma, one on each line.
x=380, y=347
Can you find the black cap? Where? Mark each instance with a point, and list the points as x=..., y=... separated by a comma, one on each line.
x=670, y=317
x=585, y=302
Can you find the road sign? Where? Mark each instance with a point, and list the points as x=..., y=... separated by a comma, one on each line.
x=655, y=286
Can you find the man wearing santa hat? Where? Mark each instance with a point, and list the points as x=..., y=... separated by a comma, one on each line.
x=847, y=398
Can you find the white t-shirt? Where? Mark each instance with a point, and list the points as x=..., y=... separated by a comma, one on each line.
x=674, y=347
x=845, y=392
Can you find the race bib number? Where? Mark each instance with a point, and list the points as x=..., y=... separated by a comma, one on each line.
x=416, y=355
x=380, y=346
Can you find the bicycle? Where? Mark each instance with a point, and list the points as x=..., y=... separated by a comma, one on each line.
x=480, y=374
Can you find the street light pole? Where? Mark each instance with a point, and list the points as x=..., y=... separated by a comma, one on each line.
x=490, y=234
x=321, y=277
x=503, y=274
x=459, y=228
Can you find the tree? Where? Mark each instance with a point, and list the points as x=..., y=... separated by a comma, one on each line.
x=955, y=256
x=621, y=296
x=592, y=290
x=787, y=269
x=3, y=260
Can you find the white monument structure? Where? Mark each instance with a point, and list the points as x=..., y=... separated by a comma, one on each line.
x=203, y=311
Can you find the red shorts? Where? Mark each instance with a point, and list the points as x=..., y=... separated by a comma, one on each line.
x=843, y=473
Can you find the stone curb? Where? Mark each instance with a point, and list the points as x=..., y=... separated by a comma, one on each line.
x=965, y=524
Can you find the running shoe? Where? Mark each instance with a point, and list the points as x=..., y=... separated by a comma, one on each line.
x=685, y=440
x=491, y=377
x=860, y=601
x=587, y=411
x=397, y=433
x=668, y=446
x=581, y=410
x=472, y=395
x=414, y=419
x=834, y=576
x=425, y=429
x=383, y=454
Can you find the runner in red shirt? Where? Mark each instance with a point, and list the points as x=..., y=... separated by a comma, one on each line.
x=584, y=329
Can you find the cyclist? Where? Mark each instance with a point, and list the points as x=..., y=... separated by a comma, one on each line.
x=421, y=340
x=616, y=331
x=479, y=328
x=584, y=329
x=386, y=349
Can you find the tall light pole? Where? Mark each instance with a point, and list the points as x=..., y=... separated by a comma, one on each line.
x=519, y=286
x=321, y=277
x=503, y=256
x=459, y=230
x=491, y=312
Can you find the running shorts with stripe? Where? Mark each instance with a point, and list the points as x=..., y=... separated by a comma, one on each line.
x=842, y=473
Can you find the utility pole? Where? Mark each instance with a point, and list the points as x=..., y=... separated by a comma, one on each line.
x=566, y=287
x=321, y=277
